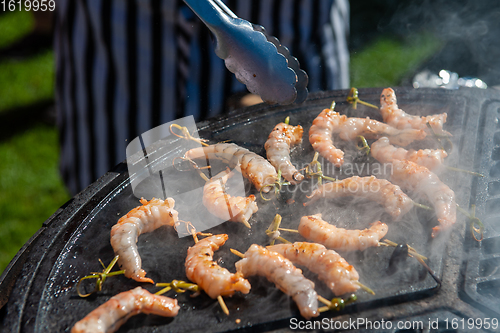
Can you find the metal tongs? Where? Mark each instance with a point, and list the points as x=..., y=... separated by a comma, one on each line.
x=259, y=61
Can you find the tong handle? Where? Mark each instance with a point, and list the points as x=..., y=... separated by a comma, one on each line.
x=212, y=12
x=218, y=18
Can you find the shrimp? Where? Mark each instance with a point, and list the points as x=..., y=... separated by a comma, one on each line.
x=384, y=152
x=252, y=166
x=373, y=129
x=398, y=118
x=124, y=234
x=224, y=206
x=421, y=180
x=279, y=270
x=330, y=122
x=278, y=146
x=315, y=229
x=109, y=316
x=331, y=268
x=395, y=201
x=213, y=279
x=323, y=127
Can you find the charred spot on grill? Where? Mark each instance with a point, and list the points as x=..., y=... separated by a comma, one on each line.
x=398, y=258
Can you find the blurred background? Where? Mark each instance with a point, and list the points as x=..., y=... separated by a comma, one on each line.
x=390, y=42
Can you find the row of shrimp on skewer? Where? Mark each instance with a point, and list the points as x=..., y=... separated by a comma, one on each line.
x=200, y=267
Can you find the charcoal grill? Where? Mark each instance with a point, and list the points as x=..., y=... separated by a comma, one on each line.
x=37, y=290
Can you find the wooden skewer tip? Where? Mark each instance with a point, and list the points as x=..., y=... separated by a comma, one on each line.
x=223, y=305
x=245, y=222
x=238, y=253
x=365, y=288
x=324, y=301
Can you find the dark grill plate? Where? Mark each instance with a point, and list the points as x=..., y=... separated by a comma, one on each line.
x=40, y=281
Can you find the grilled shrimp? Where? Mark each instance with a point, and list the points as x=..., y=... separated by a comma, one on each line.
x=323, y=127
x=252, y=166
x=384, y=152
x=224, y=206
x=373, y=129
x=315, y=229
x=278, y=146
x=279, y=270
x=421, y=180
x=398, y=118
x=330, y=122
x=395, y=201
x=111, y=315
x=213, y=279
x=124, y=234
x=331, y=268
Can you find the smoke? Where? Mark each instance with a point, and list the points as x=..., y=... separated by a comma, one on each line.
x=467, y=29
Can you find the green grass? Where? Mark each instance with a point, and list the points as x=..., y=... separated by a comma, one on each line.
x=386, y=61
x=25, y=82
x=31, y=189
x=14, y=25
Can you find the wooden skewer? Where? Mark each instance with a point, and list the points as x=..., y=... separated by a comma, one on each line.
x=324, y=301
x=223, y=305
x=245, y=222
x=238, y=253
x=164, y=290
x=416, y=204
x=463, y=170
x=323, y=309
x=289, y=230
x=365, y=288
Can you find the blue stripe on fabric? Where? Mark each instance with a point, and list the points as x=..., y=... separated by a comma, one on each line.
x=79, y=45
x=169, y=99
x=144, y=66
x=100, y=73
x=119, y=46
